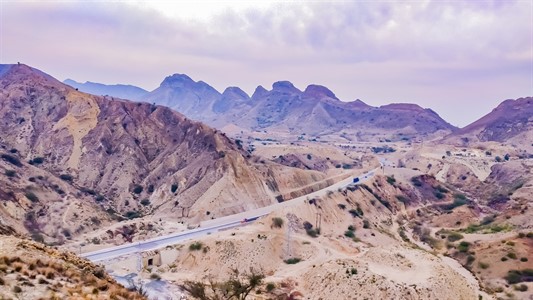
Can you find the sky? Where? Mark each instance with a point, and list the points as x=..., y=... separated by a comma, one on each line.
x=459, y=58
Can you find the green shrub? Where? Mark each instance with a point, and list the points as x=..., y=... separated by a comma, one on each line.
x=351, y=228
x=470, y=259
x=277, y=222
x=454, y=236
x=512, y=255
x=32, y=197
x=37, y=161
x=133, y=214
x=523, y=259
x=416, y=181
x=137, y=189
x=439, y=195
x=483, y=265
x=349, y=233
x=65, y=177
x=10, y=173
x=313, y=232
x=442, y=189
x=195, y=246
x=391, y=180
x=270, y=287
x=504, y=259
x=402, y=199
x=173, y=188
x=145, y=202
x=463, y=246
x=155, y=276
x=292, y=261
x=11, y=159
x=366, y=224
x=353, y=271
x=150, y=188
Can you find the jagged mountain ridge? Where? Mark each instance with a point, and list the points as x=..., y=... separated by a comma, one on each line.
x=316, y=110
x=122, y=91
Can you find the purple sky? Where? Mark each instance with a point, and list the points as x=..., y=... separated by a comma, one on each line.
x=460, y=58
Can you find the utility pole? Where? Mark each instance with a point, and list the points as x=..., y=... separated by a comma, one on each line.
x=318, y=220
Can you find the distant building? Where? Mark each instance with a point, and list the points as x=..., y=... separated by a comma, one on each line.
x=151, y=258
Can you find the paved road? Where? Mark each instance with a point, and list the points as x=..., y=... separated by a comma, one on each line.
x=210, y=226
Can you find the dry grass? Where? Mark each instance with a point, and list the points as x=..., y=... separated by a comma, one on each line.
x=34, y=271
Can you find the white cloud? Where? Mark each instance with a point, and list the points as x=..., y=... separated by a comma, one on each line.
x=435, y=53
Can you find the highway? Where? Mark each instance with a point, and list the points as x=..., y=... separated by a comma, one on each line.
x=211, y=226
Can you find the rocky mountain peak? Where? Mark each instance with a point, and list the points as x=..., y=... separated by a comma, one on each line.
x=284, y=86
x=319, y=91
x=235, y=92
x=177, y=80
x=259, y=92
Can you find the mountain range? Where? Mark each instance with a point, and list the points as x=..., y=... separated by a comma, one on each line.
x=71, y=154
x=314, y=111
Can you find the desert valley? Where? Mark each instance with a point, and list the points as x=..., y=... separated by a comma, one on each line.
x=188, y=193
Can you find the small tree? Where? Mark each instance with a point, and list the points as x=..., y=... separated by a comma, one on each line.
x=239, y=286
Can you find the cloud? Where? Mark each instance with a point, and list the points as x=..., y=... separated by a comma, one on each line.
x=435, y=53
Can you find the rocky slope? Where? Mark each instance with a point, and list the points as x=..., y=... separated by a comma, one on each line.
x=67, y=154
x=511, y=120
x=316, y=110
x=29, y=270
x=122, y=91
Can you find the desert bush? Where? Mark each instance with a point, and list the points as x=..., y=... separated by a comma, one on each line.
x=516, y=276
x=11, y=159
x=391, y=180
x=270, y=287
x=145, y=202
x=521, y=288
x=32, y=197
x=66, y=177
x=349, y=233
x=463, y=246
x=439, y=195
x=277, y=222
x=416, y=181
x=37, y=161
x=17, y=289
x=366, y=224
x=10, y=173
x=512, y=255
x=341, y=206
x=155, y=276
x=442, y=189
x=454, y=236
x=137, y=189
x=523, y=259
x=132, y=214
x=487, y=220
x=293, y=260
x=150, y=189
x=195, y=246
x=313, y=232
x=483, y=265
x=173, y=188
